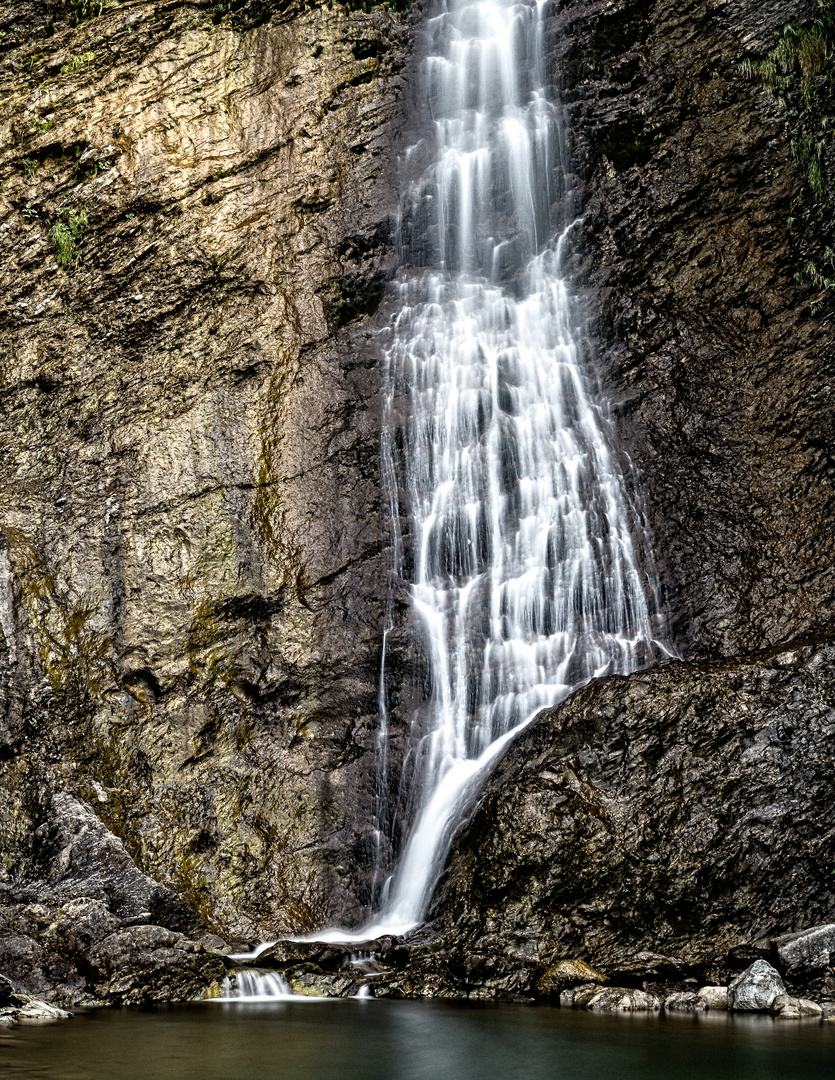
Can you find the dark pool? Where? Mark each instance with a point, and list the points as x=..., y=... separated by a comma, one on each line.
x=394, y=1040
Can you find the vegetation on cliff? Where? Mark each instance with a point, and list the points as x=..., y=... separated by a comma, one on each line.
x=800, y=72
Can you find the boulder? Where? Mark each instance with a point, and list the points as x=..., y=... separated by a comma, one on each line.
x=684, y=1001
x=36, y=1011
x=794, y=1008
x=714, y=997
x=151, y=963
x=807, y=951
x=616, y=999
x=566, y=974
x=590, y=785
x=756, y=988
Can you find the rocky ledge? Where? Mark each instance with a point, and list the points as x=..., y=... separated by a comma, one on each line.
x=23, y=1009
x=390, y=967
x=94, y=930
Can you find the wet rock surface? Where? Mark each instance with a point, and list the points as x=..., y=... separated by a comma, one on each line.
x=192, y=573
x=724, y=374
x=659, y=827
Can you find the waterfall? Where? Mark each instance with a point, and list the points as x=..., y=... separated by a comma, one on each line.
x=255, y=986
x=525, y=554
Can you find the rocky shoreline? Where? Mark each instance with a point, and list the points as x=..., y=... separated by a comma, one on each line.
x=798, y=984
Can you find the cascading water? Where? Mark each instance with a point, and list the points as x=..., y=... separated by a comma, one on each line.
x=256, y=986
x=528, y=562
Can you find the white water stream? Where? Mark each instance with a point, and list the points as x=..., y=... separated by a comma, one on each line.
x=526, y=558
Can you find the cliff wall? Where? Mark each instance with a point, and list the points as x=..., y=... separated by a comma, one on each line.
x=192, y=566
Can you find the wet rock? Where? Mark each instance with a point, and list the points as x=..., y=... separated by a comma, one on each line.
x=565, y=974
x=792, y=1008
x=756, y=989
x=634, y=783
x=151, y=963
x=720, y=358
x=616, y=999
x=714, y=997
x=807, y=951
x=684, y=1001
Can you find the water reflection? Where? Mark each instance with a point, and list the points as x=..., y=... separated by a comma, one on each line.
x=387, y=1040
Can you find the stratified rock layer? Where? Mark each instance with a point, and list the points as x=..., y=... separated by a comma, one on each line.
x=192, y=573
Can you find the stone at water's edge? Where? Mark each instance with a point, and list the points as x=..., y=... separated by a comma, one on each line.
x=95, y=929
x=756, y=989
x=793, y=1008
x=16, y=1008
x=714, y=997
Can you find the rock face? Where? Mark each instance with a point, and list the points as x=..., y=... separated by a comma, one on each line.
x=727, y=401
x=94, y=929
x=192, y=573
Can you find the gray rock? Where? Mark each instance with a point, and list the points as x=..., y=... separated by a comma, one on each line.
x=809, y=951
x=40, y=1012
x=152, y=963
x=592, y=784
x=616, y=999
x=714, y=997
x=794, y=1008
x=684, y=1001
x=756, y=988
x=95, y=929
x=86, y=861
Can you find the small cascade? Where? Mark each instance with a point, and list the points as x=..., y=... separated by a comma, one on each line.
x=257, y=986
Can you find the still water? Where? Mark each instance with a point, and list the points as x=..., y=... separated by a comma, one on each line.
x=407, y=1040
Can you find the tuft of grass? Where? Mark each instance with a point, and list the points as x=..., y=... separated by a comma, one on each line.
x=65, y=235
x=800, y=73
x=38, y=125
x=83, y=10
x=75, y=62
